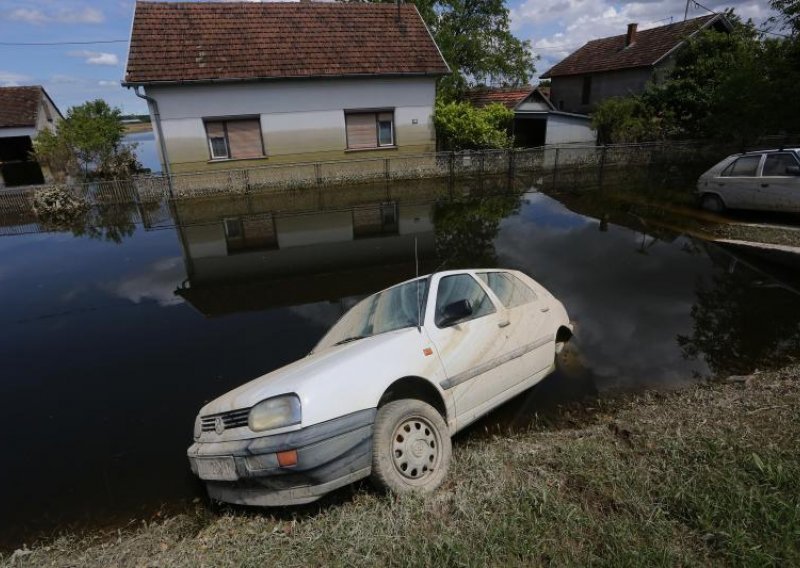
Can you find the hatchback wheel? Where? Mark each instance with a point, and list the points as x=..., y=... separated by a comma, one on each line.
x=712, y=203
x=410, y=448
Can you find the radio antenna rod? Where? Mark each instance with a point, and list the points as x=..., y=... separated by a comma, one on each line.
x=419, y=300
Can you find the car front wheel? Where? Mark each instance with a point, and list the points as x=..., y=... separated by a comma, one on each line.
x=411, y=447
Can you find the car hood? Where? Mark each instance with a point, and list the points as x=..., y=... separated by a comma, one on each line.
x=298, y=376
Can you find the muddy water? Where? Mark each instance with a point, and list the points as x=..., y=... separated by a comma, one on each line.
x=112, y=339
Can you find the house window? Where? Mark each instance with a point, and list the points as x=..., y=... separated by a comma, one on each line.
x=234, y=138
x=369, y=129
x=586, y=91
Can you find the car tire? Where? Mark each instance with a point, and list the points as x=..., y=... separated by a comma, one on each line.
x=411, y=447
x=713, y=203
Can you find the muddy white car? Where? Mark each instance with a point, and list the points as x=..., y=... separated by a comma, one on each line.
x=766, y=180
x=383, y=391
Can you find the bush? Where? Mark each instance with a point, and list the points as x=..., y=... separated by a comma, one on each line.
x=461, y=126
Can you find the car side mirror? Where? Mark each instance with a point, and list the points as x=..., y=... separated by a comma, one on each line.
x=793, y=170
x=454, y=312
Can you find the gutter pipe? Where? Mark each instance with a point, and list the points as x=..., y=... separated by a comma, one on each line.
x=153, y=104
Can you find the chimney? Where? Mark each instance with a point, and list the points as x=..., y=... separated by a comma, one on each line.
x=630, y=37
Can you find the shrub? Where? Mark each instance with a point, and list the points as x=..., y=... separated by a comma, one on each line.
x=461, y=126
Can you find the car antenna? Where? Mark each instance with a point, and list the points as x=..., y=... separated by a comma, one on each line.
x=419, y=301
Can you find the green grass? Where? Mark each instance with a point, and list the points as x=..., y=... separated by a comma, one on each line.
x=705, y=476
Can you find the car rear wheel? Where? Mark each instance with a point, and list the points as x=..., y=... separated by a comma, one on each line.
x=411, y=447
x=711, y=202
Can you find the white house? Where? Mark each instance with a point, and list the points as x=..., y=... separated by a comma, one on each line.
x=24, y=112
x=233, y=85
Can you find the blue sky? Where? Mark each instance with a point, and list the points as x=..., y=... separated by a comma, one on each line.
x=73, y=74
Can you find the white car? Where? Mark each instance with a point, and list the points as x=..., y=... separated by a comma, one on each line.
x=765, y=179
x=383, y=391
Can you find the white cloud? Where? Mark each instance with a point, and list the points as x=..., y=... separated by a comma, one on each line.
x=95, y=57
x=59, y=79
x=9, y=79
x=157, y=282
x=103, y=83
x=38, y=17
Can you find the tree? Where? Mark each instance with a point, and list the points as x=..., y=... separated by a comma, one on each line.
x=460, y=126
x=624, y=120
x=476, y=42
x=89, y=141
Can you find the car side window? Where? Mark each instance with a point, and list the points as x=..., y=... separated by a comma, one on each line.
x=775, y=165
x=746, y=166
x=509, y=289
x=460, y=298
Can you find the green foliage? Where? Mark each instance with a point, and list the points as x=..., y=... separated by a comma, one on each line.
x=89, y=139
x=476, y=42
x=788, y=15
x=460, y=126
x=624, y=120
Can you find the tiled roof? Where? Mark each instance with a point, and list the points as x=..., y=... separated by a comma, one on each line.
x=208, y=41
x=509, y=97
x=610, y=53
x=19, y=106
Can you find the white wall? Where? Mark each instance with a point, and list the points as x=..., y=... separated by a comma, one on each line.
x=297, y=117
x=562, y=129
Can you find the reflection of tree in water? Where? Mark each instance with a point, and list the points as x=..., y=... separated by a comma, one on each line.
x=465, y=230
x=112, y=223
x=742, y=323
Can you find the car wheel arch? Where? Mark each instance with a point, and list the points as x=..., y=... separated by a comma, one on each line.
x=715, y=195
x=563, y=334
x=417, y=388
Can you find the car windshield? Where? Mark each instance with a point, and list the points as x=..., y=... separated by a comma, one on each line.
x=395, y=308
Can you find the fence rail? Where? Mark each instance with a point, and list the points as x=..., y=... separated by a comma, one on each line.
x=552, y=160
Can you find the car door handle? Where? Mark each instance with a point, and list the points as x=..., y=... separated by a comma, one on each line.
x=504, y=323
x=547, y=309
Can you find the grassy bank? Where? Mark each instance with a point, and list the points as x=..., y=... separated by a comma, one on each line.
x=707, y=475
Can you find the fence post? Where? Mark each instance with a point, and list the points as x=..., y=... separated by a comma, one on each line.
x=318, y=172
x=555, y=169
x=386, y=168
x=511, y=159
x=602, y=165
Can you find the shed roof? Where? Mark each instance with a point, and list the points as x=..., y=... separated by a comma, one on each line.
x=19, y=106
x=229, y=41
x=509, y=97
x=650, y=46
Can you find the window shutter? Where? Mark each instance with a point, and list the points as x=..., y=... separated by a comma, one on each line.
x=215, y=129
x=361, y=130
x=244, y=137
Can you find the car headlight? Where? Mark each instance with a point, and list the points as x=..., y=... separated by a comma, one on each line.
x=275, y=412
x=198, y=429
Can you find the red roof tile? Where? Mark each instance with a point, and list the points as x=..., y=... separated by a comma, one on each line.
x=19, y=106
x=610, y=53
x=509, y=97
x=216, y=41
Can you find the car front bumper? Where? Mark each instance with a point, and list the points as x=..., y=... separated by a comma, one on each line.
x=246, y=472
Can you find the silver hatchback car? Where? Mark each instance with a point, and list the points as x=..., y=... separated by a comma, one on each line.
x=768, y=180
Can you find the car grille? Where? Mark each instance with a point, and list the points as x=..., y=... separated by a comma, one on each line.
x=232, y=419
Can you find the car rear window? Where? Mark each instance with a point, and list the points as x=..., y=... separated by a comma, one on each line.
x=509, y=289
x=776, y=164
x=746, y=166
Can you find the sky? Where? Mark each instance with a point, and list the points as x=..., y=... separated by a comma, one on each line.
x=72, y=74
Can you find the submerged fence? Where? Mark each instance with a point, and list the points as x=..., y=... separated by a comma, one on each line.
x=553, y=161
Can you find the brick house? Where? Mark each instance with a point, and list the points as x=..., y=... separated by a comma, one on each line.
x=621, y=65
x=271, y=83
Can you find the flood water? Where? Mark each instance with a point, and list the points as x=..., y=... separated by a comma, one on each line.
x=113, y=338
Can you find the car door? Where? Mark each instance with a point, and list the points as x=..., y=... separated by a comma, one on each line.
x=530, y=329
x=737, y=184
x=779, y=188
x=472, y=348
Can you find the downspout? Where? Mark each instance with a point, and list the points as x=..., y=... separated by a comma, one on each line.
x=160, y=133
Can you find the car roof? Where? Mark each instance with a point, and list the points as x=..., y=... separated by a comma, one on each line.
x=765, y=151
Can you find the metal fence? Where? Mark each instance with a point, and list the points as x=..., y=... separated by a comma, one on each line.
x=542, y=161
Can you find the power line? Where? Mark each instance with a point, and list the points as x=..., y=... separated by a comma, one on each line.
x=707, y=9
x=43, y=43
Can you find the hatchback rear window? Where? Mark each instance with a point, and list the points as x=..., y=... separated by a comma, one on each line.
x=746, y=166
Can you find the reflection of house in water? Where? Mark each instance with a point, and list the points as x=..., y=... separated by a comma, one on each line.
x=258, y=260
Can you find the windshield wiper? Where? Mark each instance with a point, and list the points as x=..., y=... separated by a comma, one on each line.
x=349, y=339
